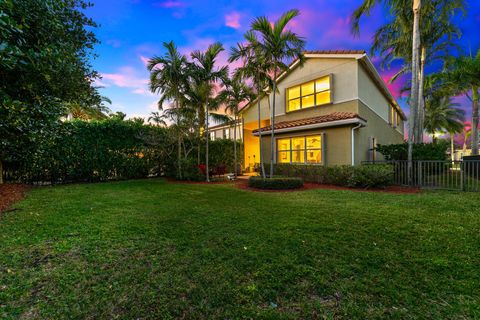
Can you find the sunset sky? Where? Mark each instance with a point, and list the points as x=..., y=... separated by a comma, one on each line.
x=131, y=31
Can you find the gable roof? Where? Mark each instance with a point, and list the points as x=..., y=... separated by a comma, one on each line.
x=359, y=55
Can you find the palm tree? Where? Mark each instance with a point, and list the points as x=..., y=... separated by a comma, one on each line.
x=157, y=118
x=206, y=74
x=277, y=44
x=168, y=77
x=442, y=115
x=254, y=68
x=393, y=41
x=235, y=93
x=463, y=77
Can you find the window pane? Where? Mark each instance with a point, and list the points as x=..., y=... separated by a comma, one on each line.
x=322, y=84
x=294, y=104
x=323, y=98
x=314, y=156
x=298, y=143
x=294, y=92
x=308, y=88
x=283, y=144
x=298, y=156
x=283, y=157
x=314, y=142
x=308, y=101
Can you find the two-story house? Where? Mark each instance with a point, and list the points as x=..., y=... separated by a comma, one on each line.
x=332, y=110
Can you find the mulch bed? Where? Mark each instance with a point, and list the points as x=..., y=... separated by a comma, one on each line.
x=197, y=182
x=309, y=186
x=11, y=193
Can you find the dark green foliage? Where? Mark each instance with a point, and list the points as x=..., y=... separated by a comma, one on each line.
x=94, y=151
x=45, y=53
x=371, y=176
x=421, y=151
x=275, y=183
x=221, y=153
x=365, y=176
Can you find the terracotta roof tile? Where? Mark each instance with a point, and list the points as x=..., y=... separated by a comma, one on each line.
x=335, y=116
x=335, y=52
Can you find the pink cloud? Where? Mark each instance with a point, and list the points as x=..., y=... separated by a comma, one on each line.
x=232, y=20
x=144, y=60
x=170, y=4
x=126, y=77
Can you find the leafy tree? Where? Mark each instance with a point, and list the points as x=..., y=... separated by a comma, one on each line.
x=236, y=92
x=441, y=114
x=168, y=77
x=205, y=75
x=254, y=68
x=45, y=49
x=277, y=44
x=157, y=118
x=463, y=77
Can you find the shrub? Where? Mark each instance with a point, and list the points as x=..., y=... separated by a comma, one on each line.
x=275, y=183
x=364, y=176
x=421, y=151
x=371, y=176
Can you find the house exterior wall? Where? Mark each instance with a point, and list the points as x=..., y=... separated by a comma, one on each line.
x=353, y=90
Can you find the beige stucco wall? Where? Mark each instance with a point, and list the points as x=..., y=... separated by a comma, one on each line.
x=352, y=91
x=337, y=144
x=376, y=127
x=344, y=87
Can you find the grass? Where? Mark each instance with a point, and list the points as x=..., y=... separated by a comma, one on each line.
x=157, y=250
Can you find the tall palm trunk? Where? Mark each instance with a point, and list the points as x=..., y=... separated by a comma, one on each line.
x=262, y=168
x=207, y=138
x=414, y=90
x=452, y=146
x=272, y=142
x=179, y=142
x=475, y=120
x=235, y=144
x=421, y=98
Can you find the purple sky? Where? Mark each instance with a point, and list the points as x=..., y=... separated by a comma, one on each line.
x=131, y=31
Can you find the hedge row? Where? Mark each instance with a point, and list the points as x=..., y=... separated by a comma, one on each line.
x=364, y=176
x=421, y=151
x=275, y=183
x=80, y=151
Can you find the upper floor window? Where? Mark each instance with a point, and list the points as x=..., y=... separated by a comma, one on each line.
x=226, y=133
x=212, y=135
x=310, y=94
x=394, y=117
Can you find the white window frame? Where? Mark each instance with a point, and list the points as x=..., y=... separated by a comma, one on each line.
x=287, y=100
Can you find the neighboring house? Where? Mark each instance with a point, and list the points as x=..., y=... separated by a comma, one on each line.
x=332, y=110
x=226, y=131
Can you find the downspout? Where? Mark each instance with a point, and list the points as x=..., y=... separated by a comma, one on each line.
x=353, y=142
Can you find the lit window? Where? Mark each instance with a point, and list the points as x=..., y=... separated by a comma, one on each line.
x=226, y=133
x=310, y=94
x=212, y=135
x=305, y=149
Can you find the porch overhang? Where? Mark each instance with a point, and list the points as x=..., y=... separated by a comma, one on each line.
x=332, y=120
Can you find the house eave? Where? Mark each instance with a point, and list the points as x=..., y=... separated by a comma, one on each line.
x=335, y=123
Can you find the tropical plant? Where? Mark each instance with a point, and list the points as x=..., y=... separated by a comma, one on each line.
x=442, y=115
x=206, y=75
x=236, y=93
x=168, y=77
x=463, y=77
x=277, y=44
x=157, y=118
x=418, y=49
x=255, y=69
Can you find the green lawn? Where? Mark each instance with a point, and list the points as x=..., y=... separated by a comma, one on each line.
x=157, y=250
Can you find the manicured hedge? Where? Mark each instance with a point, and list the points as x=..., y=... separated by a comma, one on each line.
x=364, y=176
x=421, y=151
x=275, y=183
